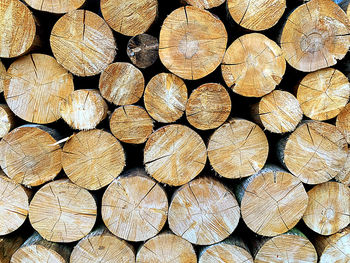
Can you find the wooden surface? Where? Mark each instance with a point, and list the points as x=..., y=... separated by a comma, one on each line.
x=131, y=124
x=82, y=42
x=8, y=246
x=165, y=97
x=55, y=6
x=143, y=50
x=35, y=87
x=208, y=106
x=7, y=120
x=205, y=4
x=2, y=76
x=29, y=155
x=122, y=83
x=197, y=46
x=134, y=206
x=62, y=211
x=174, y=154
x=328, y=209
x=315, y=35
x=344, y=175
x=323, y=94
x=93, y=159
x=237, y=149
x=343, y=122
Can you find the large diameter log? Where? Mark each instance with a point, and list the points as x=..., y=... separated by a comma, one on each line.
x=205, y=4
x=315, y=35
x=134, y=206
x=208, y=106
x=122, y=83
x=83, y=109
x=203, y=212
x=258, y=15
x=93, y=159
x=55, y=6
x=35, y=87
x=174, y=154
x=82, y=42
x=130, y=17
x=343, y=122
x=7, y=120
x=344, y=175
x=30, y=155
x=2, y=76
x=198, y=46
x=253, y=65
x=38, y=250
x=101, y=246
x=17, y=28
x=237, y=149
x=315, y=152
x=328, y=209
x=166, y=247
x=165, y=97
x=62, y=212
x=9, y=245
x=323, y=94
x=143, y=50
x=131, y=124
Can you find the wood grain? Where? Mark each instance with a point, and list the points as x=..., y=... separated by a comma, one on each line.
x=7, y=120
x=343, y=122
x=55, y=6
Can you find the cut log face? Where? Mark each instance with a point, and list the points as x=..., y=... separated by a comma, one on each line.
x=143, y=50
x=315, y=152
x=2, y=76
x=84, y=109
x=343, y=122
x=257, y=15
x=122, y=83
x=203, y=212
x=198, y=46
x=131, y=124
x=166, y=247
x=279, y=112
x=55, y=6
x=208, y=106
x=181, y=157
x=237, y=149
x=9, y=244
x=165, y=97
x=253, y=65
x=273, y=202
x=7, y=121
x=205, y=4
x=82, y=42
x=344, y=175
x=17, y=28
x=130, y=17
x=35, y=87
x=328, y=209
x=315, y=35
x=93, y=159
x=14, y=205
x=62, y=211
x=323, y=94
x=134, y=206
x=29, y=155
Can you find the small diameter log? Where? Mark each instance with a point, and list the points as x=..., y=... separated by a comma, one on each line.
x=55, y=6
x=82, y=42
x=334, y=248
x=35, y=87
x=84, y=109
x=101, y=246
x=7, y=120
x=315, y=35
x=62, y=211
x=197, y=47
x=130, y=17
x=344, y=175
x=323, y=94
x=237, y=149
x=203, y=212
x=253, y=65
x=272, y=201
x=165, y=97
x=131, y=124
x=166, y=247
x=121, y=83
x=38, y=250
x=3, y=75
x=143, y=50
x=328, y=210
x=17, y=28
x=208, y=106
x=278, y=112
x=9, y=245
x=30, y=155
x=343, y=122
x=93, y=159
x=174, y=154
x=258, y=15
x=315, y=152
x=134, y=206
x=205, y=4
